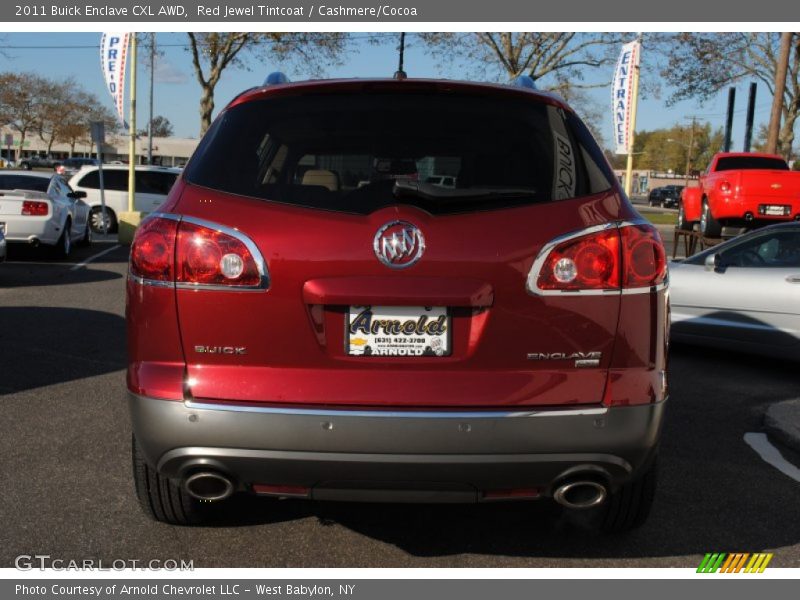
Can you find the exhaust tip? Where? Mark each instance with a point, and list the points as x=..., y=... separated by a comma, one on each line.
x=208, y=486
x=748, y=216
x=580, y=494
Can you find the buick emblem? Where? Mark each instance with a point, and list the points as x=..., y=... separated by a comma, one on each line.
x=399, y=244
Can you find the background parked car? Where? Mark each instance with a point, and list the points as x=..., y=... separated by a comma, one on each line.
x=40, y=162
x=671, y=195
x=742, y=294
x=655, y=196
x=70, y=166
x=152, y=186
x=39, y=208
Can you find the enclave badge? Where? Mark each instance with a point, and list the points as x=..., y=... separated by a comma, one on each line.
x=399, y=244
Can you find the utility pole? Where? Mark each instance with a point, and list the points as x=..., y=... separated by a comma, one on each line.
x=751, y=111
x=132, y=128
x=689, y=152
x=780, y=85
x=150, y=122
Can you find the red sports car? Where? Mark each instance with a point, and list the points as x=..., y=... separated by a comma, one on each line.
x=310, y=317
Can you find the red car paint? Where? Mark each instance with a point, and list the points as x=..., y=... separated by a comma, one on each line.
x=319, y=262
x=739, y=195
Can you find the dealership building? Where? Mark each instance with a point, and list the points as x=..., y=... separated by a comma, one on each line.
x=167, y=151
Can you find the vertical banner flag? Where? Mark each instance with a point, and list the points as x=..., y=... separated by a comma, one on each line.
x=113, y=54
x=621, y=93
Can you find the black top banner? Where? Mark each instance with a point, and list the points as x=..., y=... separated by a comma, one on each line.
x=412, y=11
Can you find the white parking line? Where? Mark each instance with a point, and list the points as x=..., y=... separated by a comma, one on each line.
x=80, y=265
x=770, y=454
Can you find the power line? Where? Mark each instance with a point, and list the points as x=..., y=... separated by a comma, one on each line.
x=372, y=36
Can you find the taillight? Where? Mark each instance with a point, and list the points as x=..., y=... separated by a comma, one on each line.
x=725, y=187
x=195, y=254
x=153, y=250
x=615, y=258
x=590, y=262
x=33, y=208
x=210, y=256
x=643, y=258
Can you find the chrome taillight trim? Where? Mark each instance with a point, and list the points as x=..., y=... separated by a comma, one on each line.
x=532, y=283
x=261, y=264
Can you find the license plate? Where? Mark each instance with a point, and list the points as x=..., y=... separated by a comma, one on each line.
x=775, y=210
x=397, y=331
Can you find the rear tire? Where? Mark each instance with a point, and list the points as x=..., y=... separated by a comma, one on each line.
x=86, y=240
x=96, y=220
x=683, y=224
x=160, y=498
x=709, y=226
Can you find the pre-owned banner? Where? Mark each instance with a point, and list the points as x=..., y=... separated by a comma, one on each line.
x=113, y=55
x=622, y=94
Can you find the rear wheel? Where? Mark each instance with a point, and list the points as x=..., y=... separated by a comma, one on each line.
x=683, y=224
x=86, y=240
x=160, y=498
x=96, y=220
x=709, y=226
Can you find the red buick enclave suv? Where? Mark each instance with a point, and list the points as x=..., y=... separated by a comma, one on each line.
x=310, y=314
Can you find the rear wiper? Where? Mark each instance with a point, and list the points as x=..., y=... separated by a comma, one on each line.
x=430, y=191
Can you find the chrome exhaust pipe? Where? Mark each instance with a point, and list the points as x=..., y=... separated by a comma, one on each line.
x=580, y=494
x=208, y=486
x=748, y=216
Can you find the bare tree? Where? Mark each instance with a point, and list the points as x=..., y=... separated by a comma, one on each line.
x=55, y=99
x=20, y=95
x=537, y=54
x=78, y=112
x=214, y=52
x=561, y=59
x=699, y=65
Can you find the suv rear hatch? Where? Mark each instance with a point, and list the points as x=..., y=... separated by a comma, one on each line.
x=327, y=179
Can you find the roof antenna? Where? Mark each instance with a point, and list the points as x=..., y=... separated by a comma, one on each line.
x=400, y=74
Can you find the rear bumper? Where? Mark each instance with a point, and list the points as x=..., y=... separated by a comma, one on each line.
x=739, y=208
x=373, y=455
x=31, y=229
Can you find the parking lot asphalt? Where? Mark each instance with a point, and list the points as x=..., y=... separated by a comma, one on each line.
x=67, y=489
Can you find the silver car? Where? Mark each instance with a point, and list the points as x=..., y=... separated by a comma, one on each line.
x=743, y=294
x=41, y=208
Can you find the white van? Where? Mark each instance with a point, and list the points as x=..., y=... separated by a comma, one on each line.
x=152, y=186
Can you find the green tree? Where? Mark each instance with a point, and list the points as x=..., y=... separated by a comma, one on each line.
x=161, y=127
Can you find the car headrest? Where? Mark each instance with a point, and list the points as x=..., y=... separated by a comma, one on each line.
x=323, y=178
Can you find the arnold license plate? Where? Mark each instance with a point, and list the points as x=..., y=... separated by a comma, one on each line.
x=398, y=331
x=776, y=210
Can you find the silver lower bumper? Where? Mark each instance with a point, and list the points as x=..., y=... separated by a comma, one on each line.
x=395, y=455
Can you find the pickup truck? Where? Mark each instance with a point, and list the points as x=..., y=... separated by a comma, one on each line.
x=741, y=189
x=33, y=162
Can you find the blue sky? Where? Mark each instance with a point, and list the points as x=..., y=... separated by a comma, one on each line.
x=177, y=91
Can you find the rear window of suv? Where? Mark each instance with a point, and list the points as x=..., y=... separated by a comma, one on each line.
x=358, y=153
